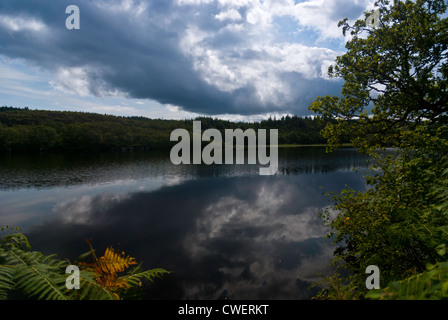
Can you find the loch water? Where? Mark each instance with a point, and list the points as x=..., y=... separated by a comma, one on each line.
x=224, y=231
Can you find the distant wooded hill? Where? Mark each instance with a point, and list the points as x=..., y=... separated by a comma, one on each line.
x=26, y=130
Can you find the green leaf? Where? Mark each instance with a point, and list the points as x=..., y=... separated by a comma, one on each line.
x=441, y=249
x=134, y=279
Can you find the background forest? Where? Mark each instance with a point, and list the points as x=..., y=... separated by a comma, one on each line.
x=26, y=130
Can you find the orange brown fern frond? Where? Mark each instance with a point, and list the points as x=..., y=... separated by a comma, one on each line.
x=108, y=266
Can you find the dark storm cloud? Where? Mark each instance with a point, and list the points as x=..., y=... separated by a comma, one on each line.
x=175, y=54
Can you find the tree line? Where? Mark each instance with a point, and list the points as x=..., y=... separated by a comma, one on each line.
x=27, y=130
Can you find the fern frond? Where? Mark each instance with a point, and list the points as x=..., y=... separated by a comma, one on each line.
x=134, y=279
x=90, y=289
x=113, y=263
x=32, y=273
x=16, y=240
x=108, y=266
x=6, y=281
x=39, y=276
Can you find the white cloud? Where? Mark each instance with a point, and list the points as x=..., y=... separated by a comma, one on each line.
x=259, y=14
x=324, y=15
x=231, y=14
x=115, y=109
x=18, y=23
x=133, y=7
x=193, y=2
x=227, y=68
x=73, y=81
x=82, y=81
x=172, y=108
x=176, y=112
x=237, y=3
x=228, y=72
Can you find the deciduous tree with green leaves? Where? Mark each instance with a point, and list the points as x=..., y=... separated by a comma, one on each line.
x=395, y=94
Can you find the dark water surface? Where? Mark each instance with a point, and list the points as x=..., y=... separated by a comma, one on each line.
x=224, y=230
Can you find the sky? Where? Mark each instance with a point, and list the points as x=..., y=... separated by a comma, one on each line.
x=242, y=60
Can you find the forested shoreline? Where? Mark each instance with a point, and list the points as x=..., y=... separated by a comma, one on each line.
x=27, y=130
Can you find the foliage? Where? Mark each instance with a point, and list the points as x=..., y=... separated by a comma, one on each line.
x=108, y=266
x=394, y=95
x=398, y=232
x=336, y=287
x=395, y=75
x=25, y=130
x=26, y=274
x=106, y=270
x=429, y=285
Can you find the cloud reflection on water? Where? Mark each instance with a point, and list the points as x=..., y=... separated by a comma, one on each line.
x=242, y=238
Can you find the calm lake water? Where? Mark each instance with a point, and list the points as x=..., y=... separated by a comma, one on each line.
x=224, y=230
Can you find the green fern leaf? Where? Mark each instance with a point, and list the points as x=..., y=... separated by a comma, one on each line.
x=34, y=273
x=41, y=281
x=135, y=278
x=90, y=289
x=6, y=281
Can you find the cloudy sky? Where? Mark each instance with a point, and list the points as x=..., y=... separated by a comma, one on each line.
x=172, y=59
